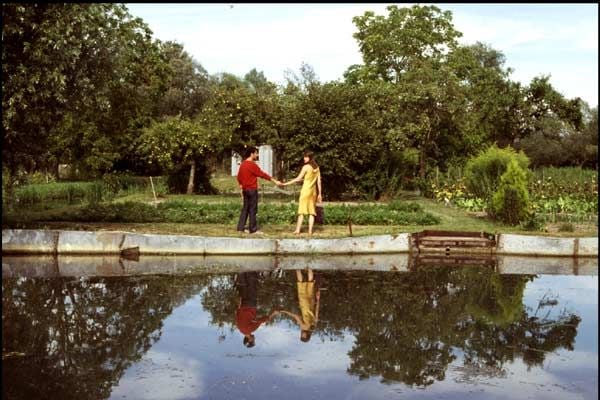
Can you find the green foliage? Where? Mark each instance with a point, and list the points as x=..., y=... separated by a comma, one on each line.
x=566, y=227
x=95, y=193
x=511, y=201
x=396, y=213
x=483, y=172
x=532, y=222
x=394, y=44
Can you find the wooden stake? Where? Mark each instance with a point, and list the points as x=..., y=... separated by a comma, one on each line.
x=153, y=192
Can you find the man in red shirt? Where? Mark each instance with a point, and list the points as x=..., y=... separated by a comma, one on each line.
x=247, y=178
x=245, y=315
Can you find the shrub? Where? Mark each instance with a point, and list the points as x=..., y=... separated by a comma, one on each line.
x=484, y=171
x=532, y=222
x=511, y=200
x=566, y=227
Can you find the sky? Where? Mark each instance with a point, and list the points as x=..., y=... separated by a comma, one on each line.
x=560, y=40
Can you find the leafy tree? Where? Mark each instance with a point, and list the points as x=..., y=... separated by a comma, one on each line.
x=402, y=41
x=177, y=142
x=188, y=87
x=73, y=85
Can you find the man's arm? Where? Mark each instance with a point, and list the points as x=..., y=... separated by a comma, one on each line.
x=298, y=178
x=262, y=174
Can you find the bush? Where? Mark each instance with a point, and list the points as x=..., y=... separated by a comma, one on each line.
x=484, y=171
x=566, y=227
x=511, y=200
x=532, y=222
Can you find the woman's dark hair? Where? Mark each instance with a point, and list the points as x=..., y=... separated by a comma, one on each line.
x=305, y=335
x=311, y=159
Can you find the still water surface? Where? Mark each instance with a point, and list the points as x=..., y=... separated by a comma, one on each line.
x=434, y=332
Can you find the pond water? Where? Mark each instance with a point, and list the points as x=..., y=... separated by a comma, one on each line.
x=451, y=332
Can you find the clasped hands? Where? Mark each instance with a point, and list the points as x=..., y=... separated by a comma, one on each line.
x=278, y=183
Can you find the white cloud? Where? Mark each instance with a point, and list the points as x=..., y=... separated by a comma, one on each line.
x=239, y=39
x=161, y=376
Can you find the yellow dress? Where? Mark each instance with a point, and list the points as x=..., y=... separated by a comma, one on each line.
x=308, y=193
x=306, y=298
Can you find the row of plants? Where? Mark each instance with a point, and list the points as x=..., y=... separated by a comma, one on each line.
x=548, y=194
x=106, y=189
x=395, y=213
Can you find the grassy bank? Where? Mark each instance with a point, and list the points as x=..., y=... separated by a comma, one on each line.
x=217, y=215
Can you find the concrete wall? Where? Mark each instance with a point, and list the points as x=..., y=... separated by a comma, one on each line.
x=20, y=241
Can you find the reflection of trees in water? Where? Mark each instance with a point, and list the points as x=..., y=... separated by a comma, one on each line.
x=78, y=336
x=73, y=339
x=406, y=325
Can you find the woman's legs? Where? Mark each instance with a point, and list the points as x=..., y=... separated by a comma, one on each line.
x=299, y=223
x=311, y=223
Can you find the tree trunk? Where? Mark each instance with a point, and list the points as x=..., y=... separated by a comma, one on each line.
x=422, y=164
x=190, y=186
x=10, y=190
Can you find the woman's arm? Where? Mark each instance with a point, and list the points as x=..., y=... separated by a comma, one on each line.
x=298, y=178
x=296, y=317
x=319, y=189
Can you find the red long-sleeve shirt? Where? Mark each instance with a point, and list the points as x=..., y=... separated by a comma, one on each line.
x=246, y=320
x=248, y=173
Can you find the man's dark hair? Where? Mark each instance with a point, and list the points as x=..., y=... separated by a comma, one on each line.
x=247, y=342
x=249, y=150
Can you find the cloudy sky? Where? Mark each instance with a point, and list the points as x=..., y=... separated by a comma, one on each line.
x=560, y=40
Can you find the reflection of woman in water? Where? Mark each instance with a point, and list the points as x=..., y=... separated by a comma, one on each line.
x=308, y=299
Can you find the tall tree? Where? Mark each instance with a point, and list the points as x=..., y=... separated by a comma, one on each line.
x=61, y=64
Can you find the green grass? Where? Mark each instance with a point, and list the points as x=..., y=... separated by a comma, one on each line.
x=276, y=215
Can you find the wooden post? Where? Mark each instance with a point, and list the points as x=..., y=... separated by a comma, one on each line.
x=153, y=192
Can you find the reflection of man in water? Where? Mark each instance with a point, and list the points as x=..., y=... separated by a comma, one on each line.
x=245, y=316
x=309, y=295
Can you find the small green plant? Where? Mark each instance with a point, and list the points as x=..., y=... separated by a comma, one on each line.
x=511, y=200
x=532, y=222
x=566, y=227
x=94, y=193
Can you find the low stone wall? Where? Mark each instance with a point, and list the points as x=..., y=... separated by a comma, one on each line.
x=21, y=241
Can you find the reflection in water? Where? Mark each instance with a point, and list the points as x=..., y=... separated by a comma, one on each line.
x=75, y=337
x=245, y=316
x=309, y=296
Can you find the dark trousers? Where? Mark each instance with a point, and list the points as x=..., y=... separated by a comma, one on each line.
x=247, y=285
x=249, y=209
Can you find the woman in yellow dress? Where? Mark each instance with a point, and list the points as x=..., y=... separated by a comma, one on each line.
x=309, y=296
x=310, y=193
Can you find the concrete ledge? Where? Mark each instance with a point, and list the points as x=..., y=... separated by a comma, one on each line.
x=360, y=245
x=535, y=245
x=165, y=244
x=588, y=247
x=78, y=242
x=28, y=241
x=226, y=245
x=21, y=241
